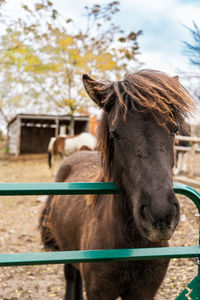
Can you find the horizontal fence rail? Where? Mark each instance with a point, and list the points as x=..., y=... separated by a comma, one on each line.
x=57, y=188
x=81, y=188
x=63, y=257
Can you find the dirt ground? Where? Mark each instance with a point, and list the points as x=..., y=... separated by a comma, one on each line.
x=19, y=233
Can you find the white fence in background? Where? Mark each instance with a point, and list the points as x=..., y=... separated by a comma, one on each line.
x=186, y=156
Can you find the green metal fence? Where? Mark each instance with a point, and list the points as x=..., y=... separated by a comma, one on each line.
x=16, y=259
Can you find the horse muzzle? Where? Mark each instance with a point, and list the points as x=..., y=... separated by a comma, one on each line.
x=158, y=220
x=158, y=235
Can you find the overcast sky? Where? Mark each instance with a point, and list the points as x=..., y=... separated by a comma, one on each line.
x=163, y=24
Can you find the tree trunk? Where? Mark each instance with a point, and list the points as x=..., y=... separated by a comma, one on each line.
x=7, y=137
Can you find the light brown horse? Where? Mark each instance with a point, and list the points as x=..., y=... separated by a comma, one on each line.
x=66, y=145
x=140, y=115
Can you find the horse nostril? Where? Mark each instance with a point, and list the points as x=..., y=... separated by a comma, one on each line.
x=142, y=212
x=177, y=211
x=176, y=207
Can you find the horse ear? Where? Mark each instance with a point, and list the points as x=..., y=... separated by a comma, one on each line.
x=94, y=88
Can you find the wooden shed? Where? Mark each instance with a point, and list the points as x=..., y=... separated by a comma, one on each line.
x=29, y=133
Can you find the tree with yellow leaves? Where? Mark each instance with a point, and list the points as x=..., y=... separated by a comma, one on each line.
x=46, y=54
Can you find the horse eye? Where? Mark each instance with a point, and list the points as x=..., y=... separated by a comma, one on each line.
x=114, y=134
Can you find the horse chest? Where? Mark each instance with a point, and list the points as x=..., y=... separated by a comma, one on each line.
x=102, y=231
x=119, y=278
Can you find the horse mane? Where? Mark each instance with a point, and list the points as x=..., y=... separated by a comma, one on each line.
x=163, y=97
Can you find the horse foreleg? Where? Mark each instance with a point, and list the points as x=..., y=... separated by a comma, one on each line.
x=73, y=289
x=78, y=287
x=70, y=276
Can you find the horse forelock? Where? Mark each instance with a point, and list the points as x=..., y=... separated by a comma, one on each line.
x=149, y=91
x=145, y=91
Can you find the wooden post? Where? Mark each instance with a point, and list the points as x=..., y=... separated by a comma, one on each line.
x=57, y=127
x=192, y=159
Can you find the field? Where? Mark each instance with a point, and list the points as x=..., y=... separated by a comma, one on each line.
x=19, y=233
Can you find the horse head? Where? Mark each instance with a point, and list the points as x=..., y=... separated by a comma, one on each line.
x=136, y=140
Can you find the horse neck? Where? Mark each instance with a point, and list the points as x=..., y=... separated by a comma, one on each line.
x=120, y=208
x=117, y=218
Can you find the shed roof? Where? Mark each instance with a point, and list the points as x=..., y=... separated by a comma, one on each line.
x=46, y=118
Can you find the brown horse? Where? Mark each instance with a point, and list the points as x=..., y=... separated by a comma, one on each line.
x=136, y=140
